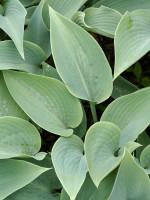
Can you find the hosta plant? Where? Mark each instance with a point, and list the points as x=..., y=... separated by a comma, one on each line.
x=54, y=81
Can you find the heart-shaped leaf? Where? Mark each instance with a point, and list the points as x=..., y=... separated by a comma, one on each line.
x=46, y=100
x=83, y=72
x=101, y=147
x=130, y=113
x=101, y=20
x=15, y=174
x=132, y=39
x=69, y=163
x=8, y=106
x=10, y=58
x=12, y=22
x=132, y=182
x=18, y=138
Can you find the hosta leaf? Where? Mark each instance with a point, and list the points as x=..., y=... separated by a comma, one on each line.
x=101, y=145
x=89, y=190
x=12, y=22
x=42, y=188
x=131, y=182
x=123, y=5
x=8, y=106
x=101, y=20
x=46, y=101
x=122, y=87
x=37, y=32
x=145, y=157
x=130, y=113
x=15, y=174
x=144, y=140
x=30, y=12
x=83, y=72
x=10, y=58
x=50, y=71
x=64, y=7
x=18, y=138
x=132, y=39
x=27, y=3
x=81, y=129
x=69, y=163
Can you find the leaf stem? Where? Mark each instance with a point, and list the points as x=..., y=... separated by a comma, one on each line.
x=93, y=111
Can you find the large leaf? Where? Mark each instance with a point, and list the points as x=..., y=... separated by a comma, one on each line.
x=10, y=58
x=27, y=3
x=69, y=163
x=84, y=73
x=12, y=22
x=46, y=101
x=42, y=188
x=130, y=113
x=15, y=174
x=101, y=20
x=8, y=106
x=64, y=7
x=18, y=138
x=132, y=39
x=132, y=182
x=37, y=31
x=123, y=5
x=101, y=145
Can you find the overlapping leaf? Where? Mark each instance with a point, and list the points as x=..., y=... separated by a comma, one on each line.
x=64, y=7
x=132, y=182
x=12, y=22
x=8, y=106
x=46, y=101
x=79, y=60
x=37, y=31
x=10, y=58
x=15, y=174
x=69, y=163
x=130, y=113
x=124, y=5
x=145, y=159
x=101, y=145
x=42, y=188
x=101, y=20
x=18, y=138
x=132, y=39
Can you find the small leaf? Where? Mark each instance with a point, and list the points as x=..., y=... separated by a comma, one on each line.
x=69, y=163
x=132, y=182
x=101, y=145
x=83, y=72
x=101, y=20
x=15, y=174
x=130, y=113
x=131, y=39
x=12, y=22
x=46, y=101
x=18, y=138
